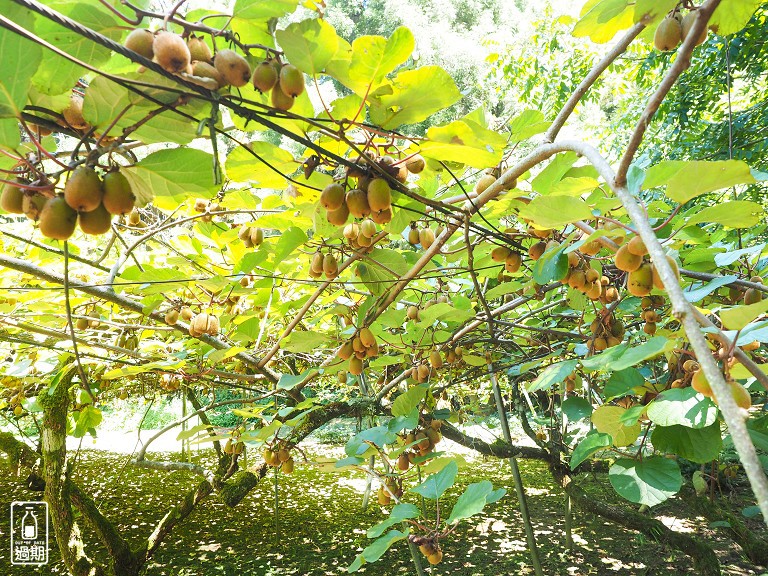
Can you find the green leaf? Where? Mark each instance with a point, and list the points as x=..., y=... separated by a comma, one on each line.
x=264, y=166
x=373, y=57
x=171, y=176
x=604, y=19
x=698, y=445
x=732, y=15
x=556, y=211
x=686, y=180
x=399, y=513
x=88, y=419
x=434, y=486
x=409, y=401
x=59, y=74
x=554, y=172
x=290, y=239
x=528, y=123
x=554, y=374
x=576, y=408
x=465, y=142
x=260, y=10
x=309, y=45
x=412, y=96
x=472, y=501
x=696, y=293
x=156, y=279
x=739, y=317
x=624, y=356
x=735, y=214
x=553, y=265
x=288, y=381
x=654, y=10
x=649, y=482
x=683, y=407
x=590, y=444
x=376, y=550
x=19, y=63
x=305, y=341
x=622, y=382
x=217, y=356
x=607, y=419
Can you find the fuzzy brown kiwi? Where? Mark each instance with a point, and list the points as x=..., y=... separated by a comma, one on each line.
x=357, y=202
x=338, y=217
x=73, y=114
x=234, y=68
x=12, y=198
x=513, y=262
x=640, y=281
x=171, y=52
x=426, y=237
x=668, y=34
x=330, y=266
x=415, y=164
x=140, y=41
x=688, y=21
x=264, y=77
x=83, y=191
x=379, y=195
x=33, y=205
x=382, y=216
x=198, y=49
x=332, y=196
x=626, y=260
x=58, y=219
x=118, y=197
x=95, y=222
x=207, y=70
x=291, y=80
x=280, y=100
x=500, y=253
x=637, y=246
x=483, y=183
x=537, y=250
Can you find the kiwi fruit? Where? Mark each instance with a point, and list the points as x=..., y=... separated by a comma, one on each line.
x=118, y=197
x=379, y=195
x=415, y=164
x=332, y=196
x=355, y=366
x=83, y=191
x=280, y=100
x=382, y=216
x=640, y=281
x=140, y=41
x=32, y=205
x=207, y=70
x=368, y=228
x=435, y=359
x=412, y=312
x=338, y=217
x=330, y=266
x=537, y=250
x=96, y=222
x=233, y=67
x=171, y=52
x=657, y=279
x=668, y=34
x=367, y=337
x=700, y=383
x=752, y=296
x=688, y=22
x=256, y=236
x=171, y=317
x=57, y=219
x=513, y=262
x=345, y=351
x=637, y=246
x=435, y=558
x=73, y=114
x=500, y=253
x=264, y=77
x=413, y=235
x=426, y=237
x=403, y=463
x=351, y=231
x=291, y=80
x=198, y=49
x=626, y=260
x=357, y=202
x=12, y=199
x=482, y=184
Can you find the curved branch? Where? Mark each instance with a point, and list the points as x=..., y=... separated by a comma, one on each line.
x=704, y=13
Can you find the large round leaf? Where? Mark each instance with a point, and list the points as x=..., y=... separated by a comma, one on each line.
x=650, y=481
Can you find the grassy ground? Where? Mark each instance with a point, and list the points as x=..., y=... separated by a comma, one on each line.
x=321, y=526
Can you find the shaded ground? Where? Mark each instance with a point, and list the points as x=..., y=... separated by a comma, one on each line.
x=321, y=527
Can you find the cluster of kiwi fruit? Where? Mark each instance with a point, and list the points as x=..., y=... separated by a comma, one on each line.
x=429, y=546
x=362, y=345
x=16, y=402
x=206, y=208
x=512, y=259
x=607, y=331
x=674, y=28
x=649, y=315
x=394, y=486
x=360, y=235
x=279, y=456
x=572, y=381
x=284, y=82
x=700, y=383
x=87, y=199
x=252, y=236
x=127, y=339
x=234, y=447
x=422, y=442
x=423, y=236
x=324, y=264
x=170, y=382
x=204, y=323
x=92, y=320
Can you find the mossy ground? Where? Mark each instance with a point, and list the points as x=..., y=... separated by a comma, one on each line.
x=321, y=526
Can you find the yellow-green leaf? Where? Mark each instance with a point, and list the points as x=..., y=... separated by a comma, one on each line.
x=686, y=180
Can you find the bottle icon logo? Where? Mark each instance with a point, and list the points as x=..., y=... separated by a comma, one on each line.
x=29, y=533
